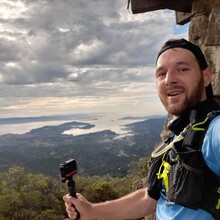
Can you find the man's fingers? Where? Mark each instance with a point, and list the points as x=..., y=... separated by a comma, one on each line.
x=70, y=208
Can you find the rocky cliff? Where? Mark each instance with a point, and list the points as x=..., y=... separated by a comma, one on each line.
x=205, y=31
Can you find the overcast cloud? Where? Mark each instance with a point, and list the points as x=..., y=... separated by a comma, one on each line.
x=78, y=56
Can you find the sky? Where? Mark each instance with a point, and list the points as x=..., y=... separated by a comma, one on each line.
x=78, y=56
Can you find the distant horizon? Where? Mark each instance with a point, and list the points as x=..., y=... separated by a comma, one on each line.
x=57, y=117
x=21, y=125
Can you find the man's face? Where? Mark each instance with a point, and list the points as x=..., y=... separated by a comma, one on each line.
x=179, y=80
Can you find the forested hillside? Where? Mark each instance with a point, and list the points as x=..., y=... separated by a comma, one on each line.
x=28, y=196
x=42, y=150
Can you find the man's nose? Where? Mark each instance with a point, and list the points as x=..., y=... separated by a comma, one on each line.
x=170, y=77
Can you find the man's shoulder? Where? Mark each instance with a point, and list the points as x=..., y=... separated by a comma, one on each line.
x=215, y=123
x=211, y=143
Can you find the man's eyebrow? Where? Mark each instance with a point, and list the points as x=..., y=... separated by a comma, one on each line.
x=160, y=68
x=176, y=64
x=182, y=63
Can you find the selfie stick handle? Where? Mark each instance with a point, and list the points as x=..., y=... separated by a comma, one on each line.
x=72, y=192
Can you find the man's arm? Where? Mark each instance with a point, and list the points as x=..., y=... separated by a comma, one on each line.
x=135, y=205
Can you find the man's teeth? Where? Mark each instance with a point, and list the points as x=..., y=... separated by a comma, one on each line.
x=174, y=93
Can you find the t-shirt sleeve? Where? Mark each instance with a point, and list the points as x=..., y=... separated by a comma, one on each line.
x=211, y=146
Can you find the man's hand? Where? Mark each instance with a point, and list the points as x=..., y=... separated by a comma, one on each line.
x=81, y=204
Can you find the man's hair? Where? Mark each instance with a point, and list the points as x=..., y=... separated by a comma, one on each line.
x=193, y=48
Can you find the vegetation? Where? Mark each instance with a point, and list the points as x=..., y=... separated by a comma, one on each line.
x=29, y=196
x=25, y=196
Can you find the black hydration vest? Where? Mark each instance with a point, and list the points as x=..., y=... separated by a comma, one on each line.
x=182, y=171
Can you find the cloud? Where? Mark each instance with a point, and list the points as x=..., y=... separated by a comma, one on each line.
x=93, y=53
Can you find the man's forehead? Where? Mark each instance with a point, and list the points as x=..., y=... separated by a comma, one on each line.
x=176, y=55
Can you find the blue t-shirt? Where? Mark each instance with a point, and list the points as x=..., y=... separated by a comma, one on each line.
x=211, y=153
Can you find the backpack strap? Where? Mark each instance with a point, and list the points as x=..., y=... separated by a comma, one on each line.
x=195, y=135
x=202, y=126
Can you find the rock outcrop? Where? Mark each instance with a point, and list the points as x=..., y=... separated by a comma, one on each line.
x=205, y=31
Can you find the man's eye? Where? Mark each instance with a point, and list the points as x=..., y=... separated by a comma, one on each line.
x=182, y=69
x=160, y=74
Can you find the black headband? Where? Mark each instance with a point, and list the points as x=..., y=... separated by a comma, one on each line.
x=182, y=43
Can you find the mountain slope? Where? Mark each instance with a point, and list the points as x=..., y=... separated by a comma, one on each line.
x=42, y=150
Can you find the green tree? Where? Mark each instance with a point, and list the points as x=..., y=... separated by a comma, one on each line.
x=29, y=196
x=102, y=191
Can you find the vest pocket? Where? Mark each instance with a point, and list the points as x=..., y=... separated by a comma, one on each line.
x=186, y=179
x=154, y=185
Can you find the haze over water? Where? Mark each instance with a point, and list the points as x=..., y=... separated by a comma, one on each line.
x=115, y=123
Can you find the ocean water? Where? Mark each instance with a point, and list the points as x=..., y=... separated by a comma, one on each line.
x=25, y=127
x=117, y=125
x=113, y=123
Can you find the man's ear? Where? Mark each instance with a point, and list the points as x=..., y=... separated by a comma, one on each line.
x=207, y=75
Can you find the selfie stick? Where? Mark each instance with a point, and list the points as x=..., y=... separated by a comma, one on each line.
x=68, y=169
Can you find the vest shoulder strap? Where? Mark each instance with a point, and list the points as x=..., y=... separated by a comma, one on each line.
x=195, y=135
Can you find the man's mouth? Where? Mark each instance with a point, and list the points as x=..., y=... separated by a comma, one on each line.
x=174, y=93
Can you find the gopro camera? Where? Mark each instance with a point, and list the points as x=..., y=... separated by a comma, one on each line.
x=68, y=169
